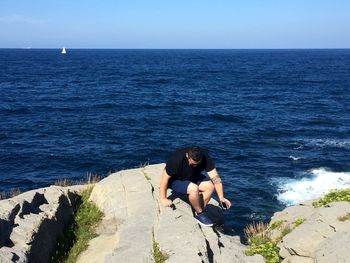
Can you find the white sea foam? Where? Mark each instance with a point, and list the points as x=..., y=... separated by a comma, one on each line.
x=316, y=183
x=295, y=158
x=321, y=143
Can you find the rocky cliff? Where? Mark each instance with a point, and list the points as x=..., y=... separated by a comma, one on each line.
x=317, y=234
x=30, y=223
x=135, y=225
x=134, y=221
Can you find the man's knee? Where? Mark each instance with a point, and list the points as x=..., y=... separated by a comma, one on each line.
x=211, y=186
x=207, y=186
x=192, y=189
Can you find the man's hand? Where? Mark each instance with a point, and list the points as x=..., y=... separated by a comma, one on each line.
x=166, y=202
x=226, y=202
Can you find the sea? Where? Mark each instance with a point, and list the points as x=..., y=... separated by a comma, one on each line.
x=276, y=122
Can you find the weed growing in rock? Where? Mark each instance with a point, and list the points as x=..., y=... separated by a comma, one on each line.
x=78, y=235
x=276, y=224
x=158, y=255
x=64, y=182
x=268, y=250
x=146, y=176
x=333, y=196
x=259, y=239
x=344, y=218
x=9, y=194
x=90, y=179
x=285, y=231
x=257, y=233
x=299, y=221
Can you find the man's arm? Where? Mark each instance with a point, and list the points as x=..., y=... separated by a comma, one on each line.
x=163, y=189
x=215, y=178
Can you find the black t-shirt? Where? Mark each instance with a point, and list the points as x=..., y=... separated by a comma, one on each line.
x=178, y=168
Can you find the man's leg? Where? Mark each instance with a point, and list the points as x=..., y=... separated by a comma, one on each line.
x=197, y=202
x=192, y=191
x=207, y=189
x=194, y=197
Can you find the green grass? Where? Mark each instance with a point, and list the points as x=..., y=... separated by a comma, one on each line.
x=285, y=231
x=260, y=241
x=276, y=224
x=333, y=196
x=268, y=250
x=299, y=221
x=78, y=235
x=158, y=255
x=146, y=176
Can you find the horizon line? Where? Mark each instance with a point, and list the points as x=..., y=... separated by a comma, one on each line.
x=111, y=48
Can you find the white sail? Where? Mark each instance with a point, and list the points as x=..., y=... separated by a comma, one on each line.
x=63, y=51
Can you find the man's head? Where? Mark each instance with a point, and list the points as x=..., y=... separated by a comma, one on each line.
x=194, y=155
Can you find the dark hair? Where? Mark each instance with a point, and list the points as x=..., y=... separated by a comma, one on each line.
x=195, y=153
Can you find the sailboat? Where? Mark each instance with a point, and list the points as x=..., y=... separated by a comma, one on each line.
x=63, y=51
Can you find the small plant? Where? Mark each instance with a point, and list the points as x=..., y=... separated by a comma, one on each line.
x=257, y=233
x=299, y=221
x=268, y=250
x=148, y=178
x=64, y=182
x=93, y=179
x=158, y=255
x=143, y=165
x=344, y=218
x=90, y=179
x=9, y=194
x=276, y=224
x=286, y=230
x=78, y=235
x=259, y=239
x=333, y=196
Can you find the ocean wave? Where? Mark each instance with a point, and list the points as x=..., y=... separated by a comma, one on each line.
x=16, y=110
x=227, y=118
x=334, y=143
x=295, y=158
x=316, y=183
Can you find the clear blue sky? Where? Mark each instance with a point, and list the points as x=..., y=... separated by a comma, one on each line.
x=175, y=23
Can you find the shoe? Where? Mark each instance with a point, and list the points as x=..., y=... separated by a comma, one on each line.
x=204, y=220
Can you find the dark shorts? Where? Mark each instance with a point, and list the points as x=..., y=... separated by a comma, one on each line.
x=180, y=186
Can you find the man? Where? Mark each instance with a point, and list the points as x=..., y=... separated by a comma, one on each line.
x=183, y=175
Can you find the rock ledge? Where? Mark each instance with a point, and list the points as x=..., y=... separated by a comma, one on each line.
x=134, y=219
x=30, y=223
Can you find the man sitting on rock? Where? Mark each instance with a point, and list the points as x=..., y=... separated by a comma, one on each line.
x=183, y=175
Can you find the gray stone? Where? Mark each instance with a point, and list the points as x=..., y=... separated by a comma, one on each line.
x=31, y=222
x=126, y=198
x=134, y=219
x=297, y=259
x=310, y=241
x=130, y=199
x=334, y=249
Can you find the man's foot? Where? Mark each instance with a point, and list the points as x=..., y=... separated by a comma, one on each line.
x=204, y=220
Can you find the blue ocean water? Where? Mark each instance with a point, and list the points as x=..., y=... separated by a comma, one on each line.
x=276, y=122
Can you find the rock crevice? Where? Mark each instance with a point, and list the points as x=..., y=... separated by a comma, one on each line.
x=31, y=222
